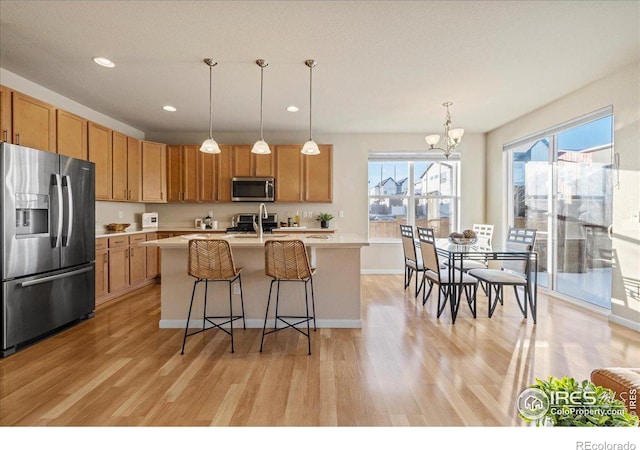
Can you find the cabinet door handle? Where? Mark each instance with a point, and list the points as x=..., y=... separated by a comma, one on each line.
x=4, y=135
x=129, y=196
x=105, y=258
x=131, y=252
x=126, y=253
x=18, y=138
x=125, y=194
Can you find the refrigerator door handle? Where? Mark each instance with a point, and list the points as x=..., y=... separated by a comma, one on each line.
x=55, y=277
x=57, y=181
x=66, y=181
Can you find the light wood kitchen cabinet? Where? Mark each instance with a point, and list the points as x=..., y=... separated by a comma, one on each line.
x=224, y=174
x=5, y=114
x=100, y=153
x=102, y=268
x=137, y=259
x=120, y=188
x=208, y=176
x=126, y=168
x=134, y=170
x=247, y=164
x=71, y=135
x=118, y=263
x=182, y=173
x=154, y=172
x=318, y=176
x=34, y=122
x=152, y=257
x=289, y=183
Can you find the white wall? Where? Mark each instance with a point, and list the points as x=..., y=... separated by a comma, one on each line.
x=110, y=212
x=622, y=90
x=350, y=175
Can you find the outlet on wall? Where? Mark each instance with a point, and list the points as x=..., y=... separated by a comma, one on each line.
x=236, y=289
x=120, y=214
x=341, y=214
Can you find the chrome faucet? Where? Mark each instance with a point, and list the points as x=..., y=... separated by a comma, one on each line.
x=261, y=215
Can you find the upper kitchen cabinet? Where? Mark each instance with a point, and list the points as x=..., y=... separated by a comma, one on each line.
x=247, y=164
x=288, y=173
x=134, y=170
x=154, y=172
x=183, y=176
x=318, y=173
x=5, y=114
x=71, y=135
x=127, y=162
x=100, y=153
x=33, y=122
x=214, y=172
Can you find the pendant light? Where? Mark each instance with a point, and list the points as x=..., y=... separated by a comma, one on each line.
x=261, y=147
x=210, y=145
x=310, y=147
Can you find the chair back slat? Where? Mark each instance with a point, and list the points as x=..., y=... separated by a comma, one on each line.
x=211, y=259
x=408, y=242
x=519, y=240
x=286, y=260
x=428, y=249
x=484, y=232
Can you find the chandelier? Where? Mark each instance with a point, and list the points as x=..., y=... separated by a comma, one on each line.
x=452, y=137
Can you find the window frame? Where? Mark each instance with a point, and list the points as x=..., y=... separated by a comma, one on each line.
x=411, y=197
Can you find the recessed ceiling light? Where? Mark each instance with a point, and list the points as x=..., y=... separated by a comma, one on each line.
x=104, y=62
x=293, y=108
x=169, y=108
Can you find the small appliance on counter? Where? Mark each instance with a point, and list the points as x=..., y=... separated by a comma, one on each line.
x=244, y=223
x=150, y=220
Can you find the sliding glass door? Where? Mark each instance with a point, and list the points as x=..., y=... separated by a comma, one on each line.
x=561, y=185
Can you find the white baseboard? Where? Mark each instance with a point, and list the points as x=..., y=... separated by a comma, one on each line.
x=381, y=271
x=259, y=323
x=635, y=326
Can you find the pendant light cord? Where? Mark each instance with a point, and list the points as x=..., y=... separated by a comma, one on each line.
x=261, y=89
x=310, y=100
x=210, y=102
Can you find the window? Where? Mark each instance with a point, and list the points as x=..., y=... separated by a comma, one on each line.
x=408, y=189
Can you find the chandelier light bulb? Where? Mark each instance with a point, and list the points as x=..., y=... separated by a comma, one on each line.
x=310, y=148
x=432, y=139
x=456, y=134
x=210, y=146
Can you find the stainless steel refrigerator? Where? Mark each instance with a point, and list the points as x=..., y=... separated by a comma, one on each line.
x=48, y=244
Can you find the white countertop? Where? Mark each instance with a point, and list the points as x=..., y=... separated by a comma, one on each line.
x=337, y=240
x=108, y=234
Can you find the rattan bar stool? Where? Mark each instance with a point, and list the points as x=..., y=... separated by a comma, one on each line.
x=212, y=260
x=287, y=260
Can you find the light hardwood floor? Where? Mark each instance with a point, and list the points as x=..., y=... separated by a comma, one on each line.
x=403, y=368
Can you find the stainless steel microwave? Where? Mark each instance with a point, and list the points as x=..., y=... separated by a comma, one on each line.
x=253, y=189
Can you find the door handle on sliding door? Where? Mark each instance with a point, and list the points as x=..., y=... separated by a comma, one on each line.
x=66, y=182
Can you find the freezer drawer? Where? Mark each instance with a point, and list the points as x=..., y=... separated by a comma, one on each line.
x=36, y=305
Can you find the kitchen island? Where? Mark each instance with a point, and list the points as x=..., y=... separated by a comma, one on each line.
x=337, y=280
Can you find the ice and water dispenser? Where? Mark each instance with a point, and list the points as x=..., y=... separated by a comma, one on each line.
x=32, y=215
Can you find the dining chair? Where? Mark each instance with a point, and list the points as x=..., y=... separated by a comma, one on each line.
x=211, y=260
x=446, y=278
x=287, y=261
x=412, y=259
x=513, y=271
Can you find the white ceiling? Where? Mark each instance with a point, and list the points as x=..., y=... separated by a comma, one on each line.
x=383, y=66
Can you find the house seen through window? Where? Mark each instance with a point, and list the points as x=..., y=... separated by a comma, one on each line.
x=411, y=190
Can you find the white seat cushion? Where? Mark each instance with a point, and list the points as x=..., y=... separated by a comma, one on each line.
x=497, y=276
x=469, y=264
x=444, y=277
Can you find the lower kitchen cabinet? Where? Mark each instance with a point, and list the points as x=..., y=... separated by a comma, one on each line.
x=152, y=257
x=102, y=267
x=122, y=265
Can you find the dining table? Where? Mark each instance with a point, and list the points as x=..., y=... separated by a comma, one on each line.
x=455, y=256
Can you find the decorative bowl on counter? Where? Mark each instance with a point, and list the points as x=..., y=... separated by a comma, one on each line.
x=118, y=226
x=467, y=237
